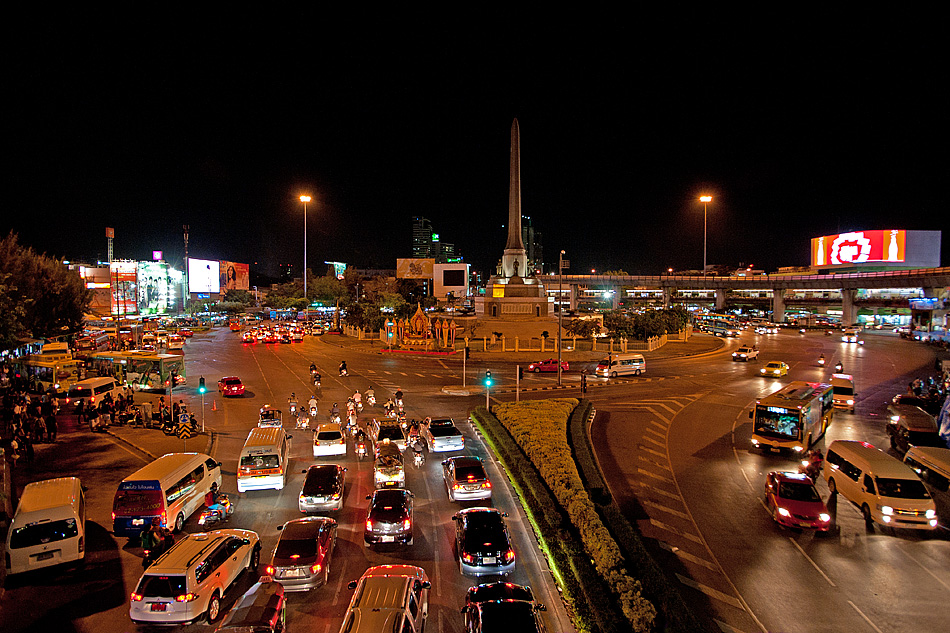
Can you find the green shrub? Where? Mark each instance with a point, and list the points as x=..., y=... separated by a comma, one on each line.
x=540, y=429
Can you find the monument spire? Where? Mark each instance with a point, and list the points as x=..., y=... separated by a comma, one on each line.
x=514, y=263
x=514, y=191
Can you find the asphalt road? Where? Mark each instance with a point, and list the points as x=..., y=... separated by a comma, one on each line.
x=95, y=597
x=675, y=447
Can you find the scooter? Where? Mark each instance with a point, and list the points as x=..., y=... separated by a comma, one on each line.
x=371, y=400
x=821, y=361
x=361, y=450
x=302, y=423
x=293, y=408
x=344, y=373
x=313, y=412
x=99, y=424
x=217, y=512
x=418, y=458
x=334, y=418
x=839, y=368
x=316, y=380
x=811, y=465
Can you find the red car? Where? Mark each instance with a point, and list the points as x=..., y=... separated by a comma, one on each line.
x=186, y=332
x=548, y=365
x=794, y=502
x=231, y=386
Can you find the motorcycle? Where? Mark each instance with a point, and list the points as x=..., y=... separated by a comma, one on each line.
x=418, y=458
x=293, y=408
x=821, y=361
x=839, y=368
x=302, y=423
x=334, y=418
x=811, y=465
x=313, y=412
x=361, y=450
x=371, y=400
x=217, y=512
x=344, y=373
x=316, y=380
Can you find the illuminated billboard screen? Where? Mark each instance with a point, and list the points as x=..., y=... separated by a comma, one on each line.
x=234, y=276
x=414, y=268
x=890, y=248
x=154, y=289
x=859, y=247
x=204, y=276
x=123, y=280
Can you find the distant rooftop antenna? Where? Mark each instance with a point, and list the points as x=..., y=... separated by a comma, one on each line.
x=110, y=234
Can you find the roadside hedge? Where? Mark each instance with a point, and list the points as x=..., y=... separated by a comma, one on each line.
x=540, y=429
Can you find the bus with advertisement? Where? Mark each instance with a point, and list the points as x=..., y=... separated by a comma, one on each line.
x=53, y=369
x=723, y=325
x=92, y=341
x=142, y=370
x=793, y=417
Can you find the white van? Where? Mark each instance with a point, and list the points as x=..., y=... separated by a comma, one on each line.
x=887, y=491
x=49, y=526
x=621, y=365
x=93, y=390
x=842, y=387
x=265, y=460
x=932, y=465
x=171, y=488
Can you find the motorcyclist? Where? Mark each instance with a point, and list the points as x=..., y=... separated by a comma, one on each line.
x=839, y=368
x=357, y=397
x=312, y=405
x=293, y=402
x=370, y=394
x=389, y=406
x=313, y=369
x=360, y=436
x=335, y=410
x=343, y=367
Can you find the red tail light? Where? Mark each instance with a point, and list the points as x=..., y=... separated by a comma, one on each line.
x=137, y=597
x=407, y=524
x=509, y=555
x=186, y=597
x=315, y=568
x=369, y=525
x=269, y=570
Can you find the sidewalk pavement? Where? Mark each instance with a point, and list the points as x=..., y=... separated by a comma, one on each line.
x=699, y=344
x=154, y=443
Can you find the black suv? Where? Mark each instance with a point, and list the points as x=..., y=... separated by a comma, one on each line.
x=389, y=518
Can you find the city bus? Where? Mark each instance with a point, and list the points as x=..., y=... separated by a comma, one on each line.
x=92, y=341
x=53, y=369
x=718, y=324
x=142, y=370
x=793, y=417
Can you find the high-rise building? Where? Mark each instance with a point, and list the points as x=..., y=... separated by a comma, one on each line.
x=533, y=246
x=427, y=244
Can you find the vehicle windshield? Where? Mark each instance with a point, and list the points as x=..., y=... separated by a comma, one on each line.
x=781, y=425
x=902, y=488
x=319, y=481
x=259, y=462
x=443, y=431
x=329, y=436
x=393, y=433
x=136, y=502
x=794, y=491
x=485, y=533
x=42, y=533
x=507, y=616
x=300, y=548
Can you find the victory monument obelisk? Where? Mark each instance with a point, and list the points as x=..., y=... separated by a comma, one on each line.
x=514, y=291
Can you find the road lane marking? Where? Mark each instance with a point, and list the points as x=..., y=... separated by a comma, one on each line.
x=687, y=556
x=653, y=452
x=709, y=591
x=444, y=366
x=663, y=508
x=420, y=375
x=654, y=441
x=945, y=585
x=866, y=619
x=670, y=528
x=671, y=495
x=665, y=427
x=725, y=628
x=646, y=472
x=653, y=463
x=813, y=563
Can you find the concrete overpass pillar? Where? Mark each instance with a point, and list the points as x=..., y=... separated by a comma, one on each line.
x=615, y=297
x=667, y=298
x=778, y=305
x=720, y=300
x=573, y=295
x=849, y=312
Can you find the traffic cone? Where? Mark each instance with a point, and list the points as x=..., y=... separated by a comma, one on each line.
x=214, y=405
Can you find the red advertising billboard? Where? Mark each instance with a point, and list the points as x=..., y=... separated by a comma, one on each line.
x=234, y=276
x=859, y=247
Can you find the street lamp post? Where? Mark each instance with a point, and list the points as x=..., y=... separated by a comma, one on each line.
x=705, y=200
x=305, y=200
x=560, y=310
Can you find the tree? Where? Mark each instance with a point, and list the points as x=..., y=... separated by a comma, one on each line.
x=50, y=299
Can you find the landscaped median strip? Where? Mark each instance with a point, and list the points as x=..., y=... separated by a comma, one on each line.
x=538, y=428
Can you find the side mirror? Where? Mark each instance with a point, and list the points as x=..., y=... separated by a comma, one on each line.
x=303, y=472
x=426, y=584
x=344, y=469
x=369, y=496
x=456, y=517
x=540, y=607
x=351, y=584
x=280, y=527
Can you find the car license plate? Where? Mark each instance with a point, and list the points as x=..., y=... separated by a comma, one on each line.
x=44, y=556
x=292, y=573
x=158, y=606
x=471, y=488
x=489, y=560
x=387, y=539
x=138, y=521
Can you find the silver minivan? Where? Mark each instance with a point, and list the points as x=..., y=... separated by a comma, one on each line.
x=621, y=365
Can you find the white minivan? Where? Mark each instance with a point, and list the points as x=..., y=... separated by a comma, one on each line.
x=264, y=462
x=621, y=365
x=49, y=526
x=886, y=490
x=932, y=465
x=93, y=390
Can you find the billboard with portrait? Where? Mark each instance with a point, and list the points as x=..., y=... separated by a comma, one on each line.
x=414, y=268
x=153, y=286
x=204, y=276
x=888, y=247
x=123, y=278
x=234, y=276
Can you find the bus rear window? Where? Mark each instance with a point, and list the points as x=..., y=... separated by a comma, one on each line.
x=42, y=533
x=136, y=502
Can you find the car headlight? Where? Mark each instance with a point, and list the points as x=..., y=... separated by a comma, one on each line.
x=887, y=510
x=784, y=512
x=931, y=514
x=824, y=517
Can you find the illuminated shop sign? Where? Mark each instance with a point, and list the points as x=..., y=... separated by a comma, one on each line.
x=859, y=247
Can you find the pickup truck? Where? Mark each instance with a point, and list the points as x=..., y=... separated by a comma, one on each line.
x=746, y=354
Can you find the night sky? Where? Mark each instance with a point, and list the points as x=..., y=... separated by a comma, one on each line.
x=621, y=131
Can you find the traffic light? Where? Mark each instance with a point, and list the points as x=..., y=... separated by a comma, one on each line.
x=488, y=378
x=520, y=372
x=202, y=389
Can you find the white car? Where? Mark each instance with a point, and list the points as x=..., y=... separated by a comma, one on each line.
x=190, y=579
x=746, y=354
x=442, y=435
x=329, y=440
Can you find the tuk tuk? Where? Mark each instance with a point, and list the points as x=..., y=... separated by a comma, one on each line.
x=270, y=417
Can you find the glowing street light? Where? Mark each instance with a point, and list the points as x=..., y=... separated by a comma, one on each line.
x=705, y=200
x=305, y=200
